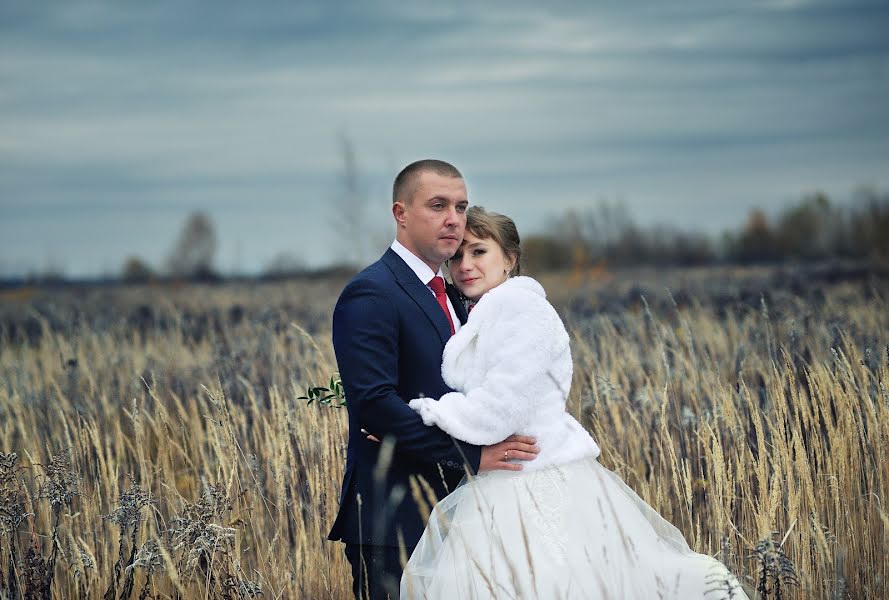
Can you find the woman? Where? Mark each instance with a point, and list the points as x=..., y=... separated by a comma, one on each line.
x=564, y=526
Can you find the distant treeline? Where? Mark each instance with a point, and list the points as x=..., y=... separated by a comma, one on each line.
x=811, y=230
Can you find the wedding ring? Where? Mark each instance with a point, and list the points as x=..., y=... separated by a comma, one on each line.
x=506, y=455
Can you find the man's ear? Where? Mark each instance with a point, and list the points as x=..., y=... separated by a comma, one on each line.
x=398, y=211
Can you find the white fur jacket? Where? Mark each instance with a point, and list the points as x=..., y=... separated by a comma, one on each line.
x=510, y=365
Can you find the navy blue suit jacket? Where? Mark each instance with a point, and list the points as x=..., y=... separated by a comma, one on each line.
x=389, y=333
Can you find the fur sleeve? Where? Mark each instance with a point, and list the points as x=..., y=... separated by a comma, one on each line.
x=521, y=346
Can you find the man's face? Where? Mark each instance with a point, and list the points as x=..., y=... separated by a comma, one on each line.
x=431, y=225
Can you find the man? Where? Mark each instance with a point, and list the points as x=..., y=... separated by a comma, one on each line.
x=390, y=326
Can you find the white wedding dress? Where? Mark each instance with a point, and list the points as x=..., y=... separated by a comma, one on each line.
x=563, y=527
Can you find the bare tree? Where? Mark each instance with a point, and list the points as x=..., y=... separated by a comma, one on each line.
x=349, y=205
x=193, y=254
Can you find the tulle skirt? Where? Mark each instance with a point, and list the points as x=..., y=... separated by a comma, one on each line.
x=566, y=531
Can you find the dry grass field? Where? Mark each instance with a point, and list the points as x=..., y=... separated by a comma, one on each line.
x=154, y=443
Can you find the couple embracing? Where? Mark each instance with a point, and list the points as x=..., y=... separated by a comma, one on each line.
x=458, y=392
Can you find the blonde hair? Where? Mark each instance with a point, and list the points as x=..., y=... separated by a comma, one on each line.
x=500, y=228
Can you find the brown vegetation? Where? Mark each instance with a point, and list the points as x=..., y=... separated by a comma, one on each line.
x=812, y=229
x=161, y=449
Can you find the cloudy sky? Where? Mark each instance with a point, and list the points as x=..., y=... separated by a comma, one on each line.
x=118, y=119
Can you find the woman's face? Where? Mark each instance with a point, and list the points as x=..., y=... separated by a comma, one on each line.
x=478, y=266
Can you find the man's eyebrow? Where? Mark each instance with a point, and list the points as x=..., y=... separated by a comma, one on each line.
x=444, y=199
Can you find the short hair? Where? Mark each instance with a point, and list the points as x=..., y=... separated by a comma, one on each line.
x=500, y=228
x=403, y=187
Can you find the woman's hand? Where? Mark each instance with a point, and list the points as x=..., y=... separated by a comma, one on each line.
x=499, y=456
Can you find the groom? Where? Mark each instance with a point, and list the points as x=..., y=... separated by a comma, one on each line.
x=390, y=326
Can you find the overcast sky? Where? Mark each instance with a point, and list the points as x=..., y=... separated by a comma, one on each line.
x=117, y=119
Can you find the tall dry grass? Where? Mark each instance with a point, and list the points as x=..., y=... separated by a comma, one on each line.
x=754, y=427
x=195, y=470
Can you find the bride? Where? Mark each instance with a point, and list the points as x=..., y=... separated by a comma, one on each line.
x=564, y=526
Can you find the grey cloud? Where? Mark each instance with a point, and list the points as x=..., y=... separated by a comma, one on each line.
x=167, y=104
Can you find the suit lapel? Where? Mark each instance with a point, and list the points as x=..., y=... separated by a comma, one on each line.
x=420, y=294
x=457, y=302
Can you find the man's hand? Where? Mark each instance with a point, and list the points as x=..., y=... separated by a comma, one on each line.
x=497, y=457
x=370, y=436
x=515, y=447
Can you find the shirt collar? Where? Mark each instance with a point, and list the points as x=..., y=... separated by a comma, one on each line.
x=421, y=269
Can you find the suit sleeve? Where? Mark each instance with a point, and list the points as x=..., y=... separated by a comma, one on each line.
x=366, y=342
x=522, y=350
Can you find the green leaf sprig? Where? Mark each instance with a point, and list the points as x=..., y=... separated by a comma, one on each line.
x=327, y=395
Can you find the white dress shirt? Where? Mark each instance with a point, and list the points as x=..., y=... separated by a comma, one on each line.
x=425, y=274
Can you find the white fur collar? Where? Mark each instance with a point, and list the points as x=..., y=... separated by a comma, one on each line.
x=519, y=282
x=524, y=291
x=513, y=284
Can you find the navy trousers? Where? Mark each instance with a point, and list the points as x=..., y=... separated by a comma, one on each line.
x=376, y=571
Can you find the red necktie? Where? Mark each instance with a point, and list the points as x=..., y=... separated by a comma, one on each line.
x=438, y=286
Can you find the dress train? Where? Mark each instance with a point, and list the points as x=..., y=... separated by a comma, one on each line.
x=572, y=531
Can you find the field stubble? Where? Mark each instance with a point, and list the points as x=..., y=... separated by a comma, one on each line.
x=161, y=448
